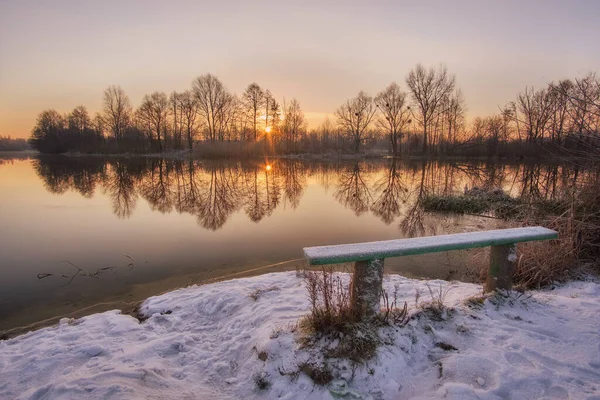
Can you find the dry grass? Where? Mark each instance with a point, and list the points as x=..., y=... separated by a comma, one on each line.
x=391, y=313
x=542, y=263
x=332, y=323
x=329, y=297
x=435, y=308
x=257, y=294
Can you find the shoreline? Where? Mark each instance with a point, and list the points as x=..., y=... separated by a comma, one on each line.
x=317, y=157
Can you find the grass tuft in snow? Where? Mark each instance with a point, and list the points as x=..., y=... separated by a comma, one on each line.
x=435, y=308
x=334, y=328
x=320, y=373
x=257, y=294
x=261, y=380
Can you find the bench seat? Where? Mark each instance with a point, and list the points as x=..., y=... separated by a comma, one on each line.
x=322, y=255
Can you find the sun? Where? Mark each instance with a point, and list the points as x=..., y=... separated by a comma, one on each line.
x=268, y=129
x=268, y=167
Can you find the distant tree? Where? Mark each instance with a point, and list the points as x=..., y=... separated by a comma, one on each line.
x=99, y=124
x=254, y=100
x=79, y=120
x=154, y=111
x=355, y=116
x=175, y=102
x=294, y=123
x=13, y=144
x=117, y=111
x=189, y=114
x=454, y=116
x=49, y=133
x=535, y=110
x=430, y=90
x=213, y=100
x=395, y=114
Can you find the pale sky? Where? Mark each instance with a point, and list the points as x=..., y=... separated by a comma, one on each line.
x=62, y=53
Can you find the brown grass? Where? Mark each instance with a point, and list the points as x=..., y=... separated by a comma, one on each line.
x=577, y=248
x=329, y=297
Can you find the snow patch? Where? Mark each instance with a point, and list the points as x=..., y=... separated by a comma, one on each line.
x=210, y=341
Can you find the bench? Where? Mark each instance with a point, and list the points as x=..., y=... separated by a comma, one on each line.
x=369, y=258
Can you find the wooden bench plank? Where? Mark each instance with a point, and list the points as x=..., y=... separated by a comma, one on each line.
x=321, y=255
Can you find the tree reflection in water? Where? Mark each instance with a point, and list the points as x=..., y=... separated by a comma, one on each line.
x=392, y=191
x=213, y=191
x=352, y=190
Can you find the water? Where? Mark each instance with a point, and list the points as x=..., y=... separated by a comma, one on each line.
x=96, y=234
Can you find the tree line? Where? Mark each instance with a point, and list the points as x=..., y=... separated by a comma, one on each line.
x=428, y=117
x=13, y=144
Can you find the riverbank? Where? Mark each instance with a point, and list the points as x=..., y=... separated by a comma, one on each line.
x=327, y=156
x=237, y=339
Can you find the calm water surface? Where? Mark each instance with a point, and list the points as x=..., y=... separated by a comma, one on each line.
x=138, y=227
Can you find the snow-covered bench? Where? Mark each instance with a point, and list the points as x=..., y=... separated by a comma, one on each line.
x=369, y=257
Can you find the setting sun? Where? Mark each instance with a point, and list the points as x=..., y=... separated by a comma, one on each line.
x=268, y=129
x=268, y=167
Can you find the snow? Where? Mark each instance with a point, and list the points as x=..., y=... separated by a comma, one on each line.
x=428, y=244
x=203, y=342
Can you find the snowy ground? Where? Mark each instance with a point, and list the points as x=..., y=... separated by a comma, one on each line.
x=204, y=343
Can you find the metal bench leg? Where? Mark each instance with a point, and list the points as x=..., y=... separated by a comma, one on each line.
x=366, y=287
x=502, y=266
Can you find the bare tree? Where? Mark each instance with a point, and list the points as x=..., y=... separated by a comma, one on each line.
x=294, y=123
x=189, y=114
x=254, y=100
x=355, y=116
x=395, y=115
x=175, y=102
x=534, y=108
x=99, y=124
x=79, y=120
x=117, y=111
x=154, y=111
x=429, y=89
x=212, y=99
x=454, y=115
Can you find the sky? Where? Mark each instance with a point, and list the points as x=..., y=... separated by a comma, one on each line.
x=63, y=53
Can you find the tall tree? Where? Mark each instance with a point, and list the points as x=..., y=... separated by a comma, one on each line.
x=254, y=100
x=79, y=120
x=117, y=111
x=429, y=88
x=189, y=115
x=49, y=131
x=154, y=111
x=293, y=123
x=534, y=108
x=355, y=116
x=213, y=99
x=395, y=115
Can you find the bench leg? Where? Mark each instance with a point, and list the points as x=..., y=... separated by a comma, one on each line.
x=367, y=283
x=502, y=266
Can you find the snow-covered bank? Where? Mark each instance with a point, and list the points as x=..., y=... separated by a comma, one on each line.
x=204, y=343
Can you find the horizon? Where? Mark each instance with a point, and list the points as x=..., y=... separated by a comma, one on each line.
x=59, y=56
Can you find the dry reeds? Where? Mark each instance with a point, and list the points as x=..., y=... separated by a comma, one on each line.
x=542, y=263
x=329, y=296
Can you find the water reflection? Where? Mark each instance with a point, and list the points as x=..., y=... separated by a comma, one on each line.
x=212, y=191
x=392, y=192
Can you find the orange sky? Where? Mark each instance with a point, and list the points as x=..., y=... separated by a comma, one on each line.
x=59, y=54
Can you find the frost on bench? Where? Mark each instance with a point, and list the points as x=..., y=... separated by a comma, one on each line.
x=334, y=254
x=369, y=258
